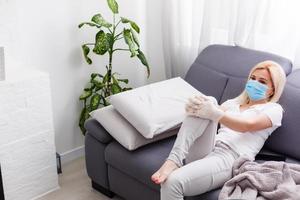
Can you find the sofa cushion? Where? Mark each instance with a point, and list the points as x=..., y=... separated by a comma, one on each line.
x=155, y=108
x=286, y=139
x=234, y=87
x=122, y=131
x=237, y=61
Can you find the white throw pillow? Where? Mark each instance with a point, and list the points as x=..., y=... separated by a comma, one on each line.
x=120, y=129
x=152, y=109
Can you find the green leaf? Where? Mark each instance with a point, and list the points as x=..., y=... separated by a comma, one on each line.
x=82, y=120
x=126, y=88
x=83, y=130
x=95, y=101
x=86, y=50
x=93, y=75
x=132, y=24
x=110, y=39
x=135, y=26
x=143, y=59
x=86, y=94
x=101, y=46
x=135, y=37
x=113, y=5
x=84, y=115
x=105, y=78
x=98, y=84
x=115, y=88
x=92, y=87
x=115, y=81
x=125, y=20
x=88, y=23
x=124, y=80
x=98, y=19
x=116, y=73
x=104, y=100
x=129, y=41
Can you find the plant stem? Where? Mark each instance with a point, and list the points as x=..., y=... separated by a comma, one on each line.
x=121, y=50
x=116, y=37
x=109, y=30
x=118, y=23
x=119, y=38
x=111, y=51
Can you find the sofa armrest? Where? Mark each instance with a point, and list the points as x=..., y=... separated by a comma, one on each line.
x=96, y=130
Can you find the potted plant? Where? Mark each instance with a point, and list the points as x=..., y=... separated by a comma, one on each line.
x=106, y=39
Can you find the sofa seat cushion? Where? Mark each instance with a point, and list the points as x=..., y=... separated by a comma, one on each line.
x=142, y=162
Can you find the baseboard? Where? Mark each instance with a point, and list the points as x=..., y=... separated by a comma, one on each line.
x=71, y=155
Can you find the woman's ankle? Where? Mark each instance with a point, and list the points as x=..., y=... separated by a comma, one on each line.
x=175, y=160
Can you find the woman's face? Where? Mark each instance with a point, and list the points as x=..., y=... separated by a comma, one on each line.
x=263, y=76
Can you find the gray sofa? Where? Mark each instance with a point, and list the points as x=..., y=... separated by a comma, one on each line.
x=220, y=71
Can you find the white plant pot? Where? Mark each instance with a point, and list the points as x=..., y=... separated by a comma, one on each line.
x=2, y=64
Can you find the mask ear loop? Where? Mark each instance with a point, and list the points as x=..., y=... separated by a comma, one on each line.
x=248, y=99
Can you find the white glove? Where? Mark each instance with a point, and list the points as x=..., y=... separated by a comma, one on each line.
x=204, y=107
x=199, y=98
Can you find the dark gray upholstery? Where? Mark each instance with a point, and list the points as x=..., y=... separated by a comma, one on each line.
x=93, y=127
x=219, y=71
x=94, y=157
x=128, y=161
x=286, y=139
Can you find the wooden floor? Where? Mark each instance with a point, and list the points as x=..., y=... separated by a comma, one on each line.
x=75, y=184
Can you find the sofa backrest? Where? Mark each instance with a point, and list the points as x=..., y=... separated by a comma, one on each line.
x=286, y=139
x=221, y=70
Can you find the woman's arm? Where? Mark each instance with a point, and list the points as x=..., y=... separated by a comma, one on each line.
x=208, y=110
x=256, y=123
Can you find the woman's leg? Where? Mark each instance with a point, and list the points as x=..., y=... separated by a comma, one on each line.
x=199, y=176
x=191, y=129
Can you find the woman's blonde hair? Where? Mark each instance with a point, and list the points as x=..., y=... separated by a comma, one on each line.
x=278, y=79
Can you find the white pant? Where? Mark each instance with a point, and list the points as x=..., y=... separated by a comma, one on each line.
x=209, y=165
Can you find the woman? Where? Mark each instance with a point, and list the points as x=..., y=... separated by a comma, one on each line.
x=246, y=122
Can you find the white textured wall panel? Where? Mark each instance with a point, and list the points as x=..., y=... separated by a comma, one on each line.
x=2, y=64
x=27, y=149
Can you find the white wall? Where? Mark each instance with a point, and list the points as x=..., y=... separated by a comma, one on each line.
x=44, y=35
x=154, y=40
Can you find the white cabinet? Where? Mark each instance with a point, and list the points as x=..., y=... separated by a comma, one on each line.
x=27, y=149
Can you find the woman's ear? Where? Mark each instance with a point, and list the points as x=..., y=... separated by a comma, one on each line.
x=271, y=93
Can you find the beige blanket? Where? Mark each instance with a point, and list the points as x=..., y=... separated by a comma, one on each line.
x=269, y=180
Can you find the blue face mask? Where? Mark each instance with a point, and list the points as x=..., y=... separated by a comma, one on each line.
x=256, y=90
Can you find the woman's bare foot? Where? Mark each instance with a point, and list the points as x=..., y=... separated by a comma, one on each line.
x=164, y=171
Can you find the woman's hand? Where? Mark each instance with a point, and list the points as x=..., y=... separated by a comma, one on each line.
x=204, y=107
